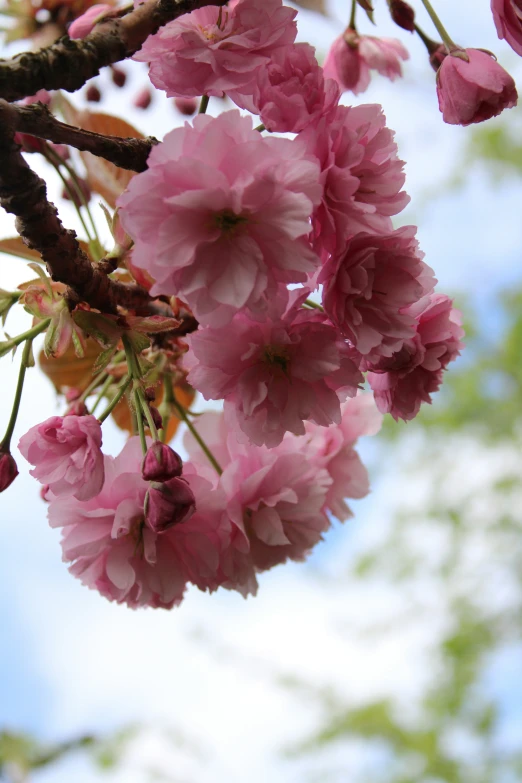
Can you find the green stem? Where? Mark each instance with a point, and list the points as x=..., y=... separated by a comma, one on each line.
x=104, y=389
x=183, y=416
x=139, y=419
x=351, y=23
x=438, y=24
x=314, y=305
x=148, y=415
x=122, y=388
x=29, y=335
x=74, y=194
x=260, y=128
x=6, y=441
x=93, y=385
x=203, y=106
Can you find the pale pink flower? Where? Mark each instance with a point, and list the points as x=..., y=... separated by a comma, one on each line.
x=507, y=15
x=351, y=58
x=85, y=23
x=290, y=92
x=473, y=88
x=408, y=378
x=333, y=448
x=215, y=49
x=367, y=288
x=222, y=215
x=361, y=174
x=274, y=374
x=66, y=453
x=113, y=551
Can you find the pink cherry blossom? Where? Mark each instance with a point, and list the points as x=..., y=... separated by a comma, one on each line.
x=216, y=49
x=507, y=15
x=368, y=287
x=85, y=23
x=332, y=448
x=351, y=58
x=222, y=215
x=113, y=551
x=473, y=88
x=274, y=374
x=408, y=378
x=66, y=453
x=361, y=174
x=290, y=92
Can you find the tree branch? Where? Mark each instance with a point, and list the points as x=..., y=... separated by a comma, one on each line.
x=127, y=153
x=68, y=64
x=24, y=194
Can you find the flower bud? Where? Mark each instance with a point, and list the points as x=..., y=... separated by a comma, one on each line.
x=77, y=408
x=403, y=15
x=168, y=504
x=84, y=24
x=161, y=463
x=8, y=470
x=187, y=106
x=156, y=417
x=143, y=99
x=118, y=76
x=93, y=94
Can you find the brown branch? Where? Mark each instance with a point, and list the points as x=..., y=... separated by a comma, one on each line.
x=127, y=153
x=24, y=194
x=68, y=64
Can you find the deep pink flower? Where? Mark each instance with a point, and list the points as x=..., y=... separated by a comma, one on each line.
x=85, y=23
x=161, y=463
x=367, y=288
x=333, y=449
x=8, y=470
x=290, y=92
x=222, y=215
x=214, y=49
x=408, y=378
x=352, y=56
x=66, y=453
x=361, y=173
x=507, y=15
x=168, y=503
x=274, y=374
x=113, y=551
x=473, y=89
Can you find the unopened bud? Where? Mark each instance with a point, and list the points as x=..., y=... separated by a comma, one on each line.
x=161, y=463
x=143, y=99
x=150, y=393
x=156, y=416
x=118, y=76
x=168, y=504
x=8, y=470
x=403, y=14
x=93, y=94
x=187, y=106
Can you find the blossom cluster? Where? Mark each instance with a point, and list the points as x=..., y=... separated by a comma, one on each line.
x=281, y=252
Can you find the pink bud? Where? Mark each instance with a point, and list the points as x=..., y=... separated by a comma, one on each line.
x=187, y=106
x=473, y=87
x=84, y=24
x=118, y=76
x=168, y=504
x=8, y=470
x=156, y=416
x=161, y=463
x=143, y=99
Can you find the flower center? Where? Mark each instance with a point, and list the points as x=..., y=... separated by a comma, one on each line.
x=277, y=356
x=228, y=222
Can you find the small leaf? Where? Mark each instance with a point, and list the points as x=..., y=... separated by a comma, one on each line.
x=105, y=329
x=153, y=324
x=103, y=359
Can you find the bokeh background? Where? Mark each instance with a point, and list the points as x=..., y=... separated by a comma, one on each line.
x=394, y=655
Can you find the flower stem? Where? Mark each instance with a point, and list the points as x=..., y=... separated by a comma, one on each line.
x=351, y=23
x=139, y=420
x=148, y=415
x=203, y=106
x=183, y=416
x=6, y=441
x=74, y=192
x=122, y=388
x=438, y=24
x=6, y=346
x=108, y=381
x=314, y=305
